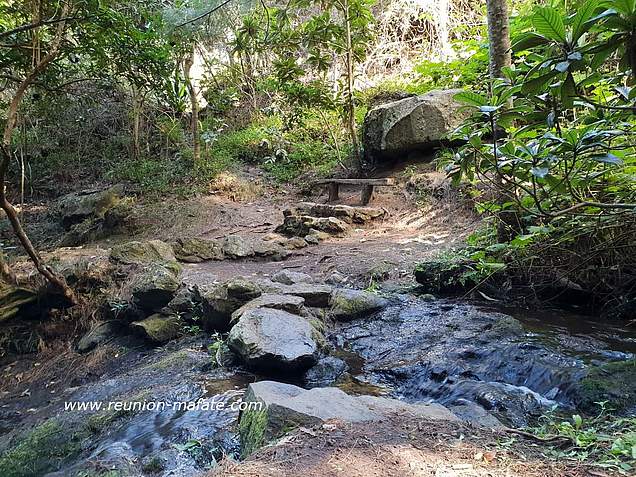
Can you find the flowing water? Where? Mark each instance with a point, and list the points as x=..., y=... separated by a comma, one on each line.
x=478, y=360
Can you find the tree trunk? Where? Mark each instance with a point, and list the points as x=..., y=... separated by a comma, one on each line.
x=6, y=158
x=350, y=116
x=508, y=224
x=194, y=104
x=499, y=36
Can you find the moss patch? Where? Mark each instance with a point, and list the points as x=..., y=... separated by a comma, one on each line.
x=41, y=450
x=252, y=429
x=612, y=382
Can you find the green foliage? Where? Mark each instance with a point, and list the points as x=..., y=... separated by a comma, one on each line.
x=603, y=441
x=568, y=147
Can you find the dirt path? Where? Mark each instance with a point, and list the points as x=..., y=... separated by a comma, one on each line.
x=400, y=447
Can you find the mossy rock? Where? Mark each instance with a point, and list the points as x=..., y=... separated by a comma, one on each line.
x=159, y=328
x=43, y=449
x=142, y=253
x=614, y=383
x=349, y=304
x=444, y=276
x=155, y=287
x=195, y=250
x=12, y=298
x=252, y=430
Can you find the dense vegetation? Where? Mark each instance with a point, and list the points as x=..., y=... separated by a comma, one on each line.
x=169, y=95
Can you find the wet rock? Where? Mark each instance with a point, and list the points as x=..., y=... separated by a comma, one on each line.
x=155, y=287
x=288, y=277
x=614, y=383
x=443, y=276
x=411, y=124
x=284, y=406
x=274, y=340
x=314, y=294
x=476, y=415
x=289, y=303
x=159, y=328
x=220, y=301
x=349, y=304
x=195, y=250
x=326, y=372
x=235, y=246
x=100, y=334
x=78, y=206
x=142, y=253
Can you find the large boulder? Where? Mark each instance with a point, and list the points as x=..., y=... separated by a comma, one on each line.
x=235, y=246
x=417, y=123
x=348, y=304
x=76, y=207
x=274, y=408
x=315, y=294
x=220, y=301
x=142, y=253
x=274, y=340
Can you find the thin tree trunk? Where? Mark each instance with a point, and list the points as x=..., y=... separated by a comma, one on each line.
x=508, y=224
x=499, y=36
x=194, y=104
x=5, y=161
x=350, y=104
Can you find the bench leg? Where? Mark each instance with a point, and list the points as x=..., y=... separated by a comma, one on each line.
x=367, y=194
x=333, y=192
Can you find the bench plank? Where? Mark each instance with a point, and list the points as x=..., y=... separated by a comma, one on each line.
x=388, y=181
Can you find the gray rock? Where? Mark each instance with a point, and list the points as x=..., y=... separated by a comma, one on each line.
x=476, y=415
x=314, y=294
x=269, y=249
x=348, y=304
x=288, y=277
x=235, y=246
x=142, y=253
x=290, y=303
x=295, y=243
x=274, y=340
x=411, y=124
x=100, y=334
x=311, y=239
x=301, y=225
x=220, y=301
x=184, y=301
x=159, y=328
x=284, y=406
x=195, y=250
x=78, y=206
x=346, y=213
x=155, y=287
x=326, y=372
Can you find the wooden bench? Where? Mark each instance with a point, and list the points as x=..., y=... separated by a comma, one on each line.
x=367, y=186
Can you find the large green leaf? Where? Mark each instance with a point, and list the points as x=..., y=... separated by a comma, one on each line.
x=528, y=41
x=470, y=98
x=568, y=91
x=581, y=23
x=549, y=23
x=535, y=85
x=626, y=7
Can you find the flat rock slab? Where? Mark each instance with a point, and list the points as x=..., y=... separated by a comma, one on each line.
x=274, y=340
x=290, y=303
x=349, y=304
x=284, y=406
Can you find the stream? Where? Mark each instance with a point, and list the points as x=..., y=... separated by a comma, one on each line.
x=482, y=362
